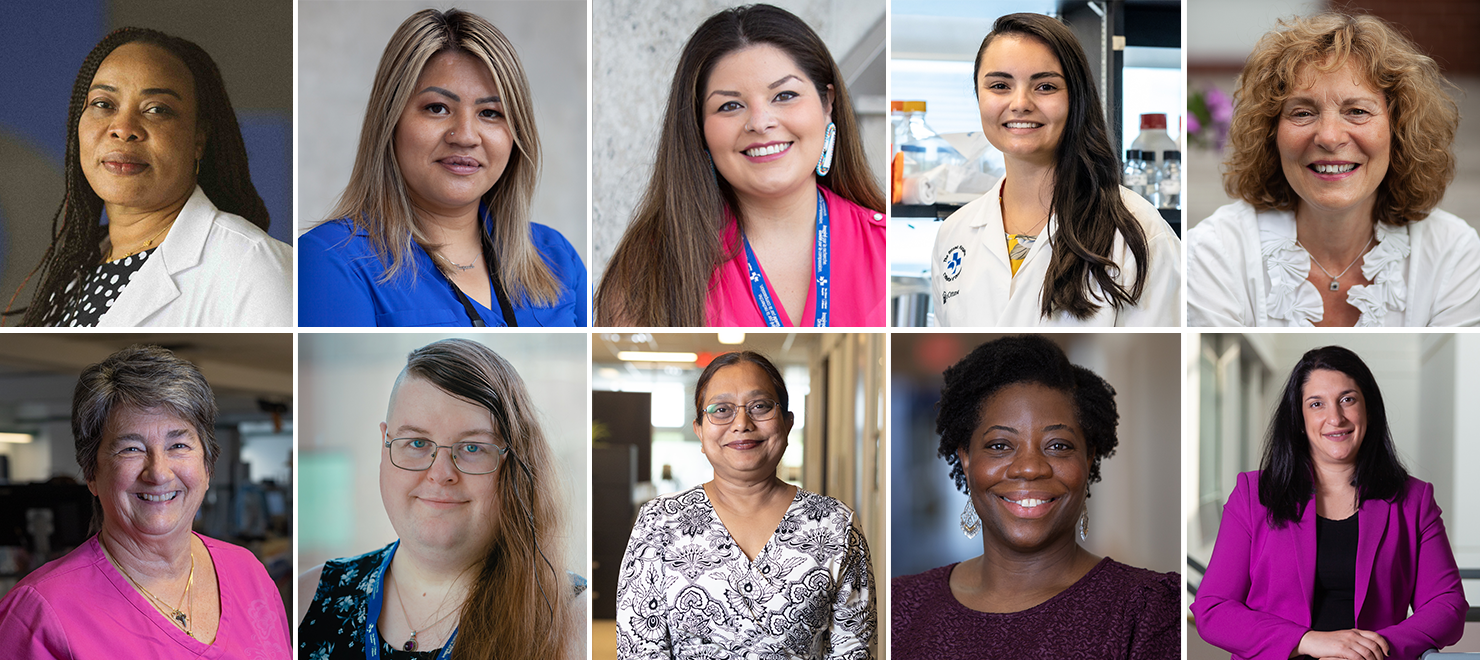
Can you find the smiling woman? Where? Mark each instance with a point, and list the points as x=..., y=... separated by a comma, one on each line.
x=1024, y=432
x=433, y=228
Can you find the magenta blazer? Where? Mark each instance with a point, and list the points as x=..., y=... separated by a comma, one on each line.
x=1256, y=597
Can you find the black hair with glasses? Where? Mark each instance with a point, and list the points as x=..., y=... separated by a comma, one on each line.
x=510, y=584
x=730, y=359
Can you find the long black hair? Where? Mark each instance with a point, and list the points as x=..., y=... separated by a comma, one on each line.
x=1287, y=475
x=1022, y=359
x=76, y=231
x=1086, y=185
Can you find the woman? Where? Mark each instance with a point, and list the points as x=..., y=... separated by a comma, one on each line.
x=477, y=525
x=745, y=565
x=1024, y=432
x=434, y=226
x=1109, y=258
x=144, y=422
x=153, y=141
x=1323, y=551
x=761, y=210
x=1339, y=154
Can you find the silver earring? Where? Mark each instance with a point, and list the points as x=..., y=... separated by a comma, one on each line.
x=970, y=524
x=1084, y=525
x=824, y=163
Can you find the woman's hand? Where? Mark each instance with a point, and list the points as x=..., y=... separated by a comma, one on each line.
x=1344, y=645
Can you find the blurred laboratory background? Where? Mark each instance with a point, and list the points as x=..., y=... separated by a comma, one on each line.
x=345, y=383
x=1427, y=383
x=1133, y=516
x=45, y=507
x=643, y=442
x=1220, y=36
x=939, y=159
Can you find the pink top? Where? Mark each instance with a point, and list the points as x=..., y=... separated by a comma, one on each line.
x=80, y=607
x=857, y=265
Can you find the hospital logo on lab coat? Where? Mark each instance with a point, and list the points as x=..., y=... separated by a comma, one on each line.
x=952, y=261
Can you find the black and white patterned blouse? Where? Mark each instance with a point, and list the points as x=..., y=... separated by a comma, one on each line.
x=100, y=288
x=334, y=626
x=687, y=591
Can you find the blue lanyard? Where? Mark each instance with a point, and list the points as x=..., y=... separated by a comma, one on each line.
x=821, y=264
x=372, y=614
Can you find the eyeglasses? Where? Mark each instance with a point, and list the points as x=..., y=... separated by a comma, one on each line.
x=418, y=454
x=724, y=413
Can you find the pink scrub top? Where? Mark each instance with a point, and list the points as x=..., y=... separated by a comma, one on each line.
x=80, y=607
x=857, y=263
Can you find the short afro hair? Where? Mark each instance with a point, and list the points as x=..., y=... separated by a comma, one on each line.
x=1022, y=359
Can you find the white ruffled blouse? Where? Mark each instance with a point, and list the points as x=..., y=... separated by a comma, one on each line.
x=1245, y=269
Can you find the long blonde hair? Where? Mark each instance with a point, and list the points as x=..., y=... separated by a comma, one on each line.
x=376, y=200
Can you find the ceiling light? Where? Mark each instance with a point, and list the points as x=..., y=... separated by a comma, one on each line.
x=731, y=337
x=655, y=356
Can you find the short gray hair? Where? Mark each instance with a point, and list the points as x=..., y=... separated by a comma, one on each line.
x=144, y=378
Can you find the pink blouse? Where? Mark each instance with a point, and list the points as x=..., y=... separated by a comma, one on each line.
x=80, y=607
x=857, y=263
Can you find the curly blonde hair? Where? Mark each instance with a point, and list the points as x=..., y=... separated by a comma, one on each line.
x=1423, y=117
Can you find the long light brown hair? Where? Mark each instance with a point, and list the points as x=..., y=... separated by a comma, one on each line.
x=660, y=272
x=1422, y=117
x=376, y=200
x=520, y=603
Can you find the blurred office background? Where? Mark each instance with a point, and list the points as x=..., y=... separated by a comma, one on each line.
x=45, y=506
x=643, y=442
x=1429, y=388
x=42, y=45
x=635, y=49
x=1220, y=35
x=345, y=383
x=1135, y=54
x=1133, y=515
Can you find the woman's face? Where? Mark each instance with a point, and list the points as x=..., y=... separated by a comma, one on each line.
x=1027, y=465
x=439, y=507
x=138, y=138
x=1023, y=98
x=1335, y=416
x=151, y=475
x=744, y=449
x=452, y=141
x=764, y=122
x=1334, y=138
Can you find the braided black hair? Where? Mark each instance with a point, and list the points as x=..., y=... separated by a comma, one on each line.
x=1022, y=359
x=76, y=231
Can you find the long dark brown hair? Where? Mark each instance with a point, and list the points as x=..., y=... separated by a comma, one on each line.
x=660, y=272
x=1086, y=185
x=76, y=233
x=520, y=603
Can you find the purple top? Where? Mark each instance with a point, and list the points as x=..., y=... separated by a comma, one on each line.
x=1114, y=611
x=80, y=607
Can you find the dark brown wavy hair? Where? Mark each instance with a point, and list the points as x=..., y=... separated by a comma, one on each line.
x=75, y=230
x=1086, y=185
x=1422, y=116
x=660, y=272
x=519, y=605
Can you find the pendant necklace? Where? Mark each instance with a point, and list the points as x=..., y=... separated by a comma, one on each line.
x=181, y=619
x=410, y=644
x=149, y=243
x=1024, y=241
x=1335, y=285
x=459, y=266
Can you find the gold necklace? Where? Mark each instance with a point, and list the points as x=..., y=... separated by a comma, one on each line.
x=147, y=244
x=181, y=619
x=410, y=644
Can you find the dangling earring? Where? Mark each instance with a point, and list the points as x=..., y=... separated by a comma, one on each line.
x=970, y=524
x=197, y=168
x=824, y=164
x=1084, y=525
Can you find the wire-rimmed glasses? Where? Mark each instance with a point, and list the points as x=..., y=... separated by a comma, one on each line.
x=724, y=412
x=418, y=454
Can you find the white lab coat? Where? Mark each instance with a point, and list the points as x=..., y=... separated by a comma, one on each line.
x=972, y=283
x=1245, y=269
x=213, y=269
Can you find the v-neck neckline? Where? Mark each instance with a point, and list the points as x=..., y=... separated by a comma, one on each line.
x=751, y=561
x=114, y=576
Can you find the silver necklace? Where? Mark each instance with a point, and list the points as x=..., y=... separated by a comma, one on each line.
x=459, y=266
x=1335, y=285
x=410, y=644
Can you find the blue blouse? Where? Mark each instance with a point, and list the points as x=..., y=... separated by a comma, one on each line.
x=339, y=285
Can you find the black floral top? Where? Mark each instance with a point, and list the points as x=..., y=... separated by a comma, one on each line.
x=334, y=627
x=687, y=591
